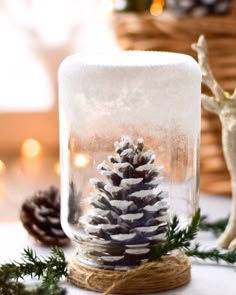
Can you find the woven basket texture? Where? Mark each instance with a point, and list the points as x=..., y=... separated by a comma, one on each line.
x=141, y=31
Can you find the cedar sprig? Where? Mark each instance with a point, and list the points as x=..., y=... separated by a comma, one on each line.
x=17, y=288
x=177, y=237
x=13, y=288
x=181, y=238
x=212, y=254
x=217, y=227
x=49, y=270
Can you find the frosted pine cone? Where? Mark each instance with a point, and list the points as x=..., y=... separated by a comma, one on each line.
x=40, y=216
x=129, y=212
x=199, y=7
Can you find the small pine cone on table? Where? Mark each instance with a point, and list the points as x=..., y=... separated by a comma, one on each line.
x=129, y=213
x=199, y=7
x=40, y=216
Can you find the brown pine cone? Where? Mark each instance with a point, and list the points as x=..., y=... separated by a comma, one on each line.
x=199, y=7
x=40, y=216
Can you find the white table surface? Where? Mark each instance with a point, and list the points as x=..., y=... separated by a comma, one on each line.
x=207, y=279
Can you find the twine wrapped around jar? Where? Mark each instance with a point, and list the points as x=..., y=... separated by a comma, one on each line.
x=168, y=33
x=170, y=272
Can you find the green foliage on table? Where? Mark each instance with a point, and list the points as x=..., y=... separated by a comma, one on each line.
x=213, y=254
x=177, y=238
x=217, y=227
x=50, y=271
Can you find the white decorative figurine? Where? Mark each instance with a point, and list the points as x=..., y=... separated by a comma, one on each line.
x=224, y=105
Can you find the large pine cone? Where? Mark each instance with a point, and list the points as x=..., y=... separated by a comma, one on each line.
x=199, y=7
x=129, y=212
x=40, y=216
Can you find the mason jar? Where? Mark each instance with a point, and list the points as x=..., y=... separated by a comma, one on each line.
x=129, y=146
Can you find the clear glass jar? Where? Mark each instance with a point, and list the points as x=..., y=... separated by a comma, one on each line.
x=129, y=138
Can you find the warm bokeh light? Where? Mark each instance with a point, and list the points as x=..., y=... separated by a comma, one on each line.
x=31, y=148
x=157, y=7
x=56, y=167
x=81, y=160
x=2, y=167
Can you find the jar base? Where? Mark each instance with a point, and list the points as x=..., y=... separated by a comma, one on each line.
x=171, y=272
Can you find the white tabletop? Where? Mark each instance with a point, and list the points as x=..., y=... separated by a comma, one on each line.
x=206, y=279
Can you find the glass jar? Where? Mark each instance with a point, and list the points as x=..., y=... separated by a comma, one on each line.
x=129, y=140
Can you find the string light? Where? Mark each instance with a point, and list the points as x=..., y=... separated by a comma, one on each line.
x=81, y=160
x=157, y=7
x=56, y=168
x=2, y=167
x=31, y=148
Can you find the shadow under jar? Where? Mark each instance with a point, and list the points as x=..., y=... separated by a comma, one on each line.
x=129, y=139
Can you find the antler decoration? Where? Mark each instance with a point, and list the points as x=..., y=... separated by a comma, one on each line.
x=224, y=105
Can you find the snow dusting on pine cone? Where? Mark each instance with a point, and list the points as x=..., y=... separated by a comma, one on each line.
x=129, y=212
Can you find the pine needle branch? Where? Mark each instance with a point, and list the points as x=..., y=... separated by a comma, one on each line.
x=213, y=254
x=181, y=238
x=177, y=238
x=217, y=227
x=49, y=270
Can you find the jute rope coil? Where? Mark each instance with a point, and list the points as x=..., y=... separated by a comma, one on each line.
x=167, y=32
x=170, y=272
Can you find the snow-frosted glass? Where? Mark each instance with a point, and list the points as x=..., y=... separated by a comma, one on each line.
x=150, y=95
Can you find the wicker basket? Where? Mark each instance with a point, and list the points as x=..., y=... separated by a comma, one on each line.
x=169, y=33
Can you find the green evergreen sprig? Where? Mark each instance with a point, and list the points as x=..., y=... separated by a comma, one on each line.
x=217, y=227
x=49, y=270
x=212, y=254
x=177, y=237
x=182, y=239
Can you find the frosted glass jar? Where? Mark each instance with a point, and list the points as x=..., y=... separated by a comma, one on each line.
x=129, y=139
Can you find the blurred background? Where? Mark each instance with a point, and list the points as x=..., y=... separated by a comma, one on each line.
x=36, y=35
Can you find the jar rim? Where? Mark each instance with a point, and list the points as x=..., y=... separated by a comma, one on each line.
x=130, y=58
